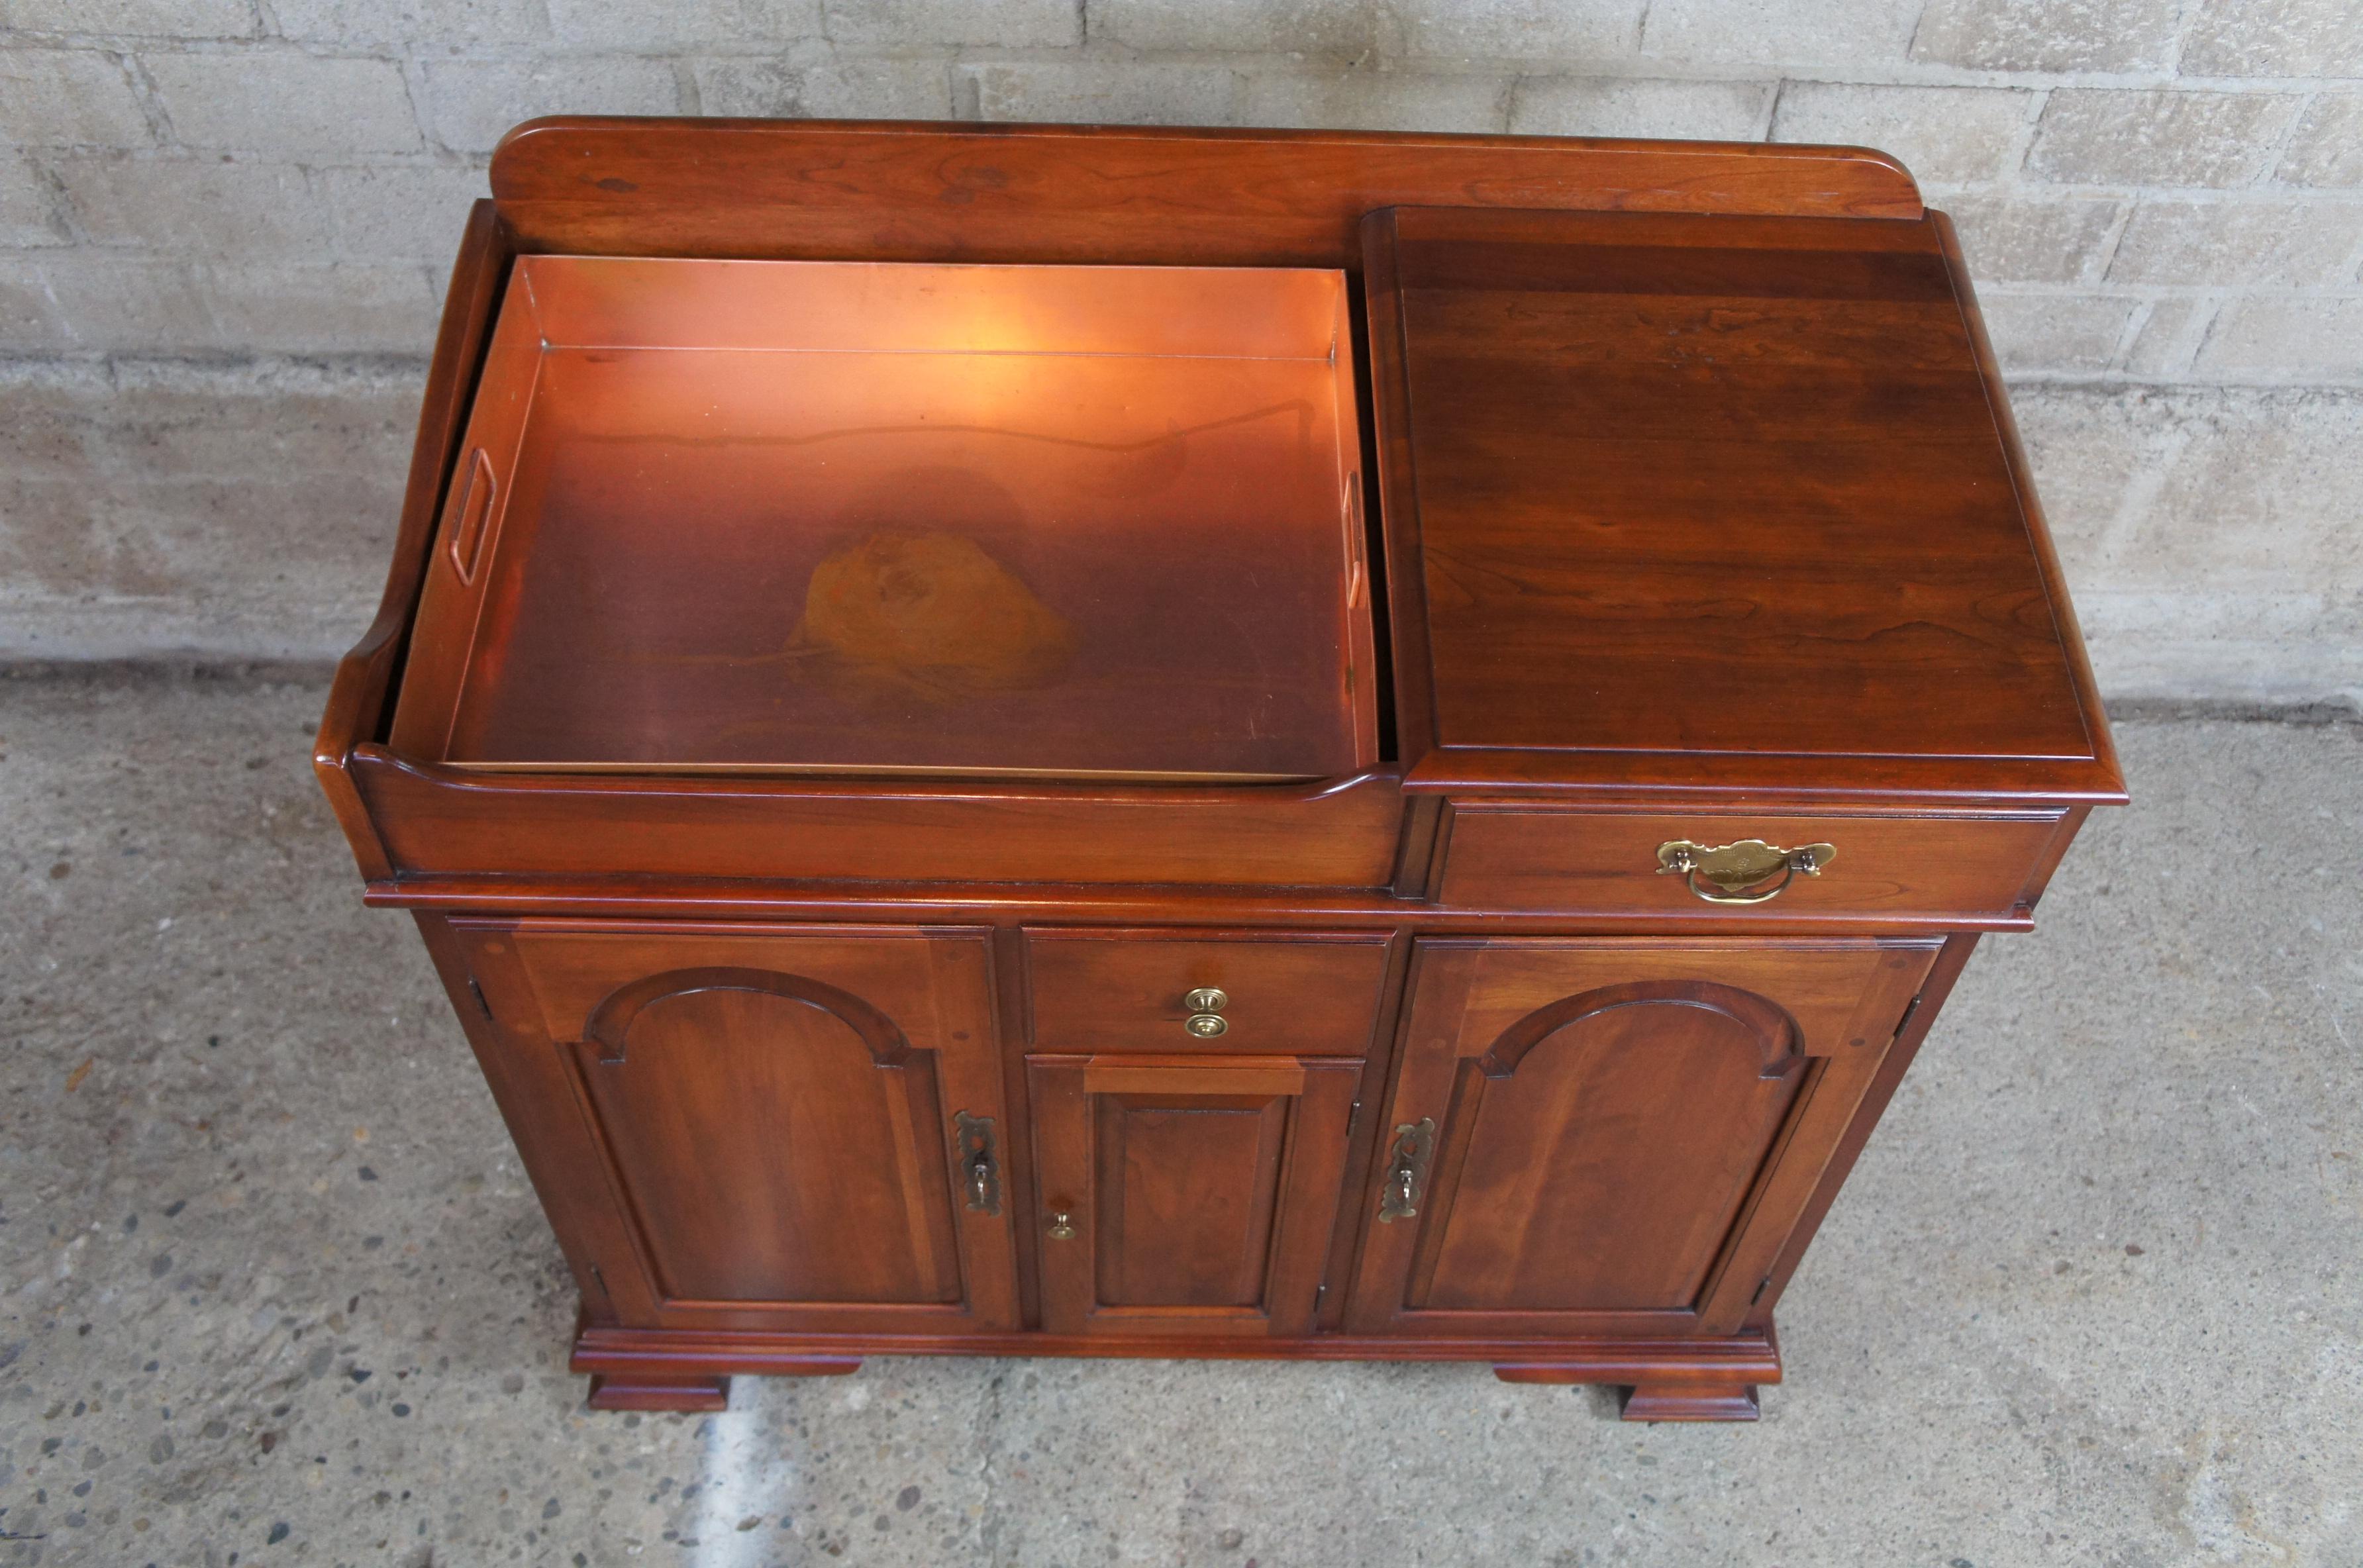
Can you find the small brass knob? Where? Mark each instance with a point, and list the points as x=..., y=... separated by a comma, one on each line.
x=1206, y=998
x=1061, y=1229
x=1207, y=1025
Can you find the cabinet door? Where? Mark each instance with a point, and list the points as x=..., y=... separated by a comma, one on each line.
x=1614, y=1136
x=1189, y=1195
x=791, y=1124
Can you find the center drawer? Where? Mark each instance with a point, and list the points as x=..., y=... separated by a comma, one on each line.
x=1301, y=993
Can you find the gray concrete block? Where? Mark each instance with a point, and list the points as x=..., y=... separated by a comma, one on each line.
x=1808, y=33
x=920, y=24
x=1107, y=92
x=62, y=97
x=2326, y=149
x=651, y=25
x=281, y=101
x=340, y=308
x=2286, y=38
x=208, y=505
x=402, y=211
x=468, y=105
x=2048, y=34
x=1940, y=133
x=2016, y=238
x=137, y=18
x=28, y=318
x=2207, y=534
x=1377, y=100
x=1346, y=27
x=821, y=83
x=2110, y=136
x=29, y=210
x=436, y=24
x=2054, y=334
x=2168, y=337
x=1604, y=105
x=203, y=205
x=2280, y=242
x=2286, y=340
x=1577, y=36
x=128, y=303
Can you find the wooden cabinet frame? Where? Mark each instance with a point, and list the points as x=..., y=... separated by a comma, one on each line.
x=1458, y=936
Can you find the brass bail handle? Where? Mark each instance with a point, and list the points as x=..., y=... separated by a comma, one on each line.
x=1735, y=872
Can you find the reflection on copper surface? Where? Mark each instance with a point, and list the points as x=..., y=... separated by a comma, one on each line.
x=852, y=517
x=928, y=615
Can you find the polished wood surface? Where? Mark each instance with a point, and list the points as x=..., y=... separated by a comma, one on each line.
x=1501, y=856
x=1688, y=527
x=1304, y=992
x=852, y=518
x=1602, y=1113
x=926, y=192
x=1698, y=462
x=776, y=1113
x=1190, y=1196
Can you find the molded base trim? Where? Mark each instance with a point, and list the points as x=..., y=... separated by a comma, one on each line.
x=658, y=1392
x=1692, y=1402
x=1715, y=1370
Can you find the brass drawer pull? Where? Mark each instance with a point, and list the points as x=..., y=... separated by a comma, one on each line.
x=1206, y=1004
x=1738, y=868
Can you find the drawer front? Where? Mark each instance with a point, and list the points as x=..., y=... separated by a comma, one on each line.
x=1584, y=862
x=1306, y=994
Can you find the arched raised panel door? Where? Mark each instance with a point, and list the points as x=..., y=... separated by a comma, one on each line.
x=790, y=1121
x=1604, y=1136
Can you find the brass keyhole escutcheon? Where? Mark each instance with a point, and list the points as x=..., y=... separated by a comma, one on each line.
x=1061, y=1226
x=1207, y=1025
x=1206, y=998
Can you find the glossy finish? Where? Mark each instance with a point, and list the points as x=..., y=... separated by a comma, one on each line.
x=851, y=518
x=1694, y=529
x=1702, y=460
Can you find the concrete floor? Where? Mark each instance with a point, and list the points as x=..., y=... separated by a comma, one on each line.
x=273, y=1289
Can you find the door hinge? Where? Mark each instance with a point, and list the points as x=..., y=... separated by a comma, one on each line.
x=1761, y=1286
x=483, y=1006
x=1905, y=1021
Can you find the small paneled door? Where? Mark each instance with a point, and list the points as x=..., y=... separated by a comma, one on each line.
x=800, y=1132
x=1187, y=1194
x=1614, y=1136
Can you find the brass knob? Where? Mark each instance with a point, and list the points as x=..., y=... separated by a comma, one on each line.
x=1207, y=1025
x=1206, y=998
x=1061, y=1229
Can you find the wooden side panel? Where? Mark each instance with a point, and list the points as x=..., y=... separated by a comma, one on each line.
x=1607, y=1123
x=977, y=192
x=1187, y=1194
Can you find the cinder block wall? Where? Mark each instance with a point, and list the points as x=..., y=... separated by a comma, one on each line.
x=225, y=223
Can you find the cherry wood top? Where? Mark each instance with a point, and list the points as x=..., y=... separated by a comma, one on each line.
x=1665, y=490
x=918, y=192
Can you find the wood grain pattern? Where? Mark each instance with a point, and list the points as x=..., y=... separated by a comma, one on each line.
x=1704, y=518
x=1306, y=993
x=1200, y=1192
x=1895, y=867
x=1132, y=195
x=1697, y=461
x=1604, y=1114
